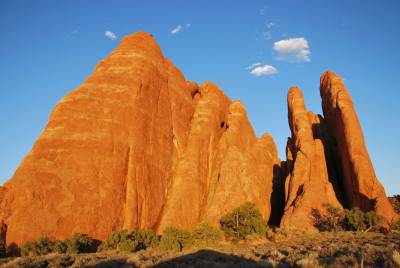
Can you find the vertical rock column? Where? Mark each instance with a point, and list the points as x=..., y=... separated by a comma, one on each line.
x=361, y=185
x=308, y=186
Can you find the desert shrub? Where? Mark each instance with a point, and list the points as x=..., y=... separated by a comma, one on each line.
x=357, y=220
x=148, y=239
x=134, y=241
x=335, y=219
x=114, y=240
x=42, y=246
x=244, y=221
x=395, y=226
x=331, y=220
x=206, y=235
x=128, y=245
x=79, y=243
x=175, y=239
x=59, y=246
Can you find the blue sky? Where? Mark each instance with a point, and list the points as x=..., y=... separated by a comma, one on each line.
x=48, y=48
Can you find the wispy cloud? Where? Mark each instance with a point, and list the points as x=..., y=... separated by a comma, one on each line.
x=259, y=69
x=292, y=50
x=263, y=10
x=179, y=28
x=269, y=25
x=267, y=35
x=253, y=65
x=110, y=35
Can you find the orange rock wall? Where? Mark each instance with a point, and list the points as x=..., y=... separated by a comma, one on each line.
x=138, y=146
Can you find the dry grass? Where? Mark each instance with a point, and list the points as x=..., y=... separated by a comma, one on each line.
x=284, y=249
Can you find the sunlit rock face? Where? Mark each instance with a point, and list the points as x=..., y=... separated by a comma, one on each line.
x=137, y=146
x=308, y=187
x=327, y=160
x=361, y=186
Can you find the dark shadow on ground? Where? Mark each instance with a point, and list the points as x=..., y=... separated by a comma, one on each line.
x=209, y=258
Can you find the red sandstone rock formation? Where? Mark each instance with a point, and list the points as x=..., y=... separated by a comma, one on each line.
x=224, y=164
x=308, y=186
x=104, y=159
x=137, y=146
x=361, y=186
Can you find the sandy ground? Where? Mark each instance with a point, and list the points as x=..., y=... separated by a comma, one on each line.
x=342, y=249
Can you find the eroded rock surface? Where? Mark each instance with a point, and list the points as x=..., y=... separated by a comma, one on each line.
x=137, y=146
x=361, y=186
x=308, y=185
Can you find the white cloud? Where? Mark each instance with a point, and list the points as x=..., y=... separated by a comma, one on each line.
x=292, y=50
x=269, y=25
x=177, y=29
x=110, y=35
x=258, y=69
x=253, y=65
x=180, y=28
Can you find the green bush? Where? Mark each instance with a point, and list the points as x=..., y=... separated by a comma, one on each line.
x=59, y=246
x=114, y=240
x=244, y=222
x=134, y=241
x=332, y=220
x=357, y=220
x=42, y=246
x=148, y=239
x=335, y=219
x=205, y=235
x=395, y=226
x=128, y=245
x=79, y=243
x=175, y=239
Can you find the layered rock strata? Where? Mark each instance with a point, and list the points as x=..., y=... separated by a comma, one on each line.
x=137, y=146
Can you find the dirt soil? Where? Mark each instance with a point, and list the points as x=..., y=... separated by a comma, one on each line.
x=283, y=249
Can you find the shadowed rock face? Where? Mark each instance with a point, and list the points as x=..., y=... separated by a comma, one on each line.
x=3, y=233
x=308, y=185
x=137, y=146
x=360, y=183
